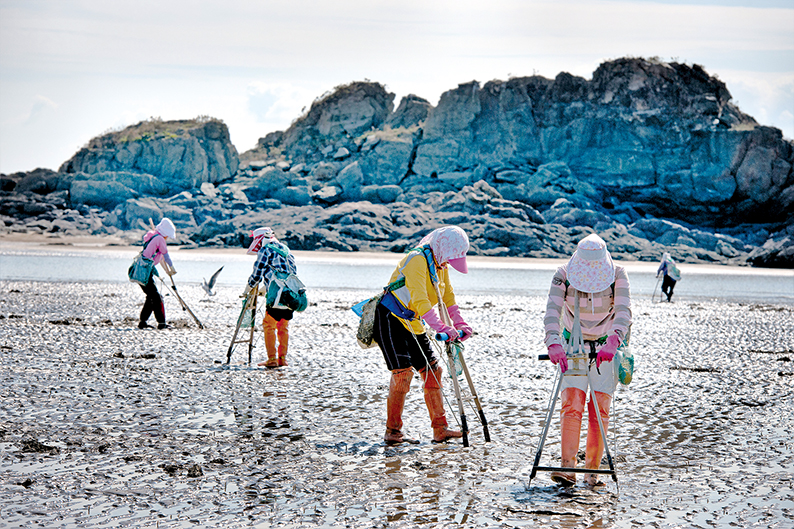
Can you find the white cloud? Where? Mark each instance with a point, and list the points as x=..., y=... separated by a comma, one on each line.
x=256, y=65
x=767, y=96
x=279, y=103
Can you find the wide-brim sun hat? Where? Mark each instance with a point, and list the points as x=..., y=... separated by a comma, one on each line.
x=591, y=269
x=166, y=228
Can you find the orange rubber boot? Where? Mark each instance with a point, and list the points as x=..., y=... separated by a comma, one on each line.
x=595, y=445
x=571, y=426
x=269, y=328
x=282, y=330
x=398, y=388
x=435, y=406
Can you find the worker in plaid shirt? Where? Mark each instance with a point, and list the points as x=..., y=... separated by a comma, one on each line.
x=271, y=255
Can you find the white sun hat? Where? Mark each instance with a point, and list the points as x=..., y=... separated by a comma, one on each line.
x=591, y=269
x=166, y=228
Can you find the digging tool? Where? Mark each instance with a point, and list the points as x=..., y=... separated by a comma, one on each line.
x=173, y=289
x=249, y=305
x=658, y=278
x=444, y=315
x=579, y=361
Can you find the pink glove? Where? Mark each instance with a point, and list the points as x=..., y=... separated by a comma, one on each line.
x=557, y=356
x=607, y=352
x=457, y=320
x=432, y=319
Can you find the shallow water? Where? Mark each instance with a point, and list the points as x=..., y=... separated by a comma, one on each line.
x=366, y=271
x=105, y=425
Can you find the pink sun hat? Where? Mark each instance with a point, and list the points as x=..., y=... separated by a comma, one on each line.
x=591, y=269
x=459, y=264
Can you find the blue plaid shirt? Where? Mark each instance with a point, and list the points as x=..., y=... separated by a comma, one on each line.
x=271, y=257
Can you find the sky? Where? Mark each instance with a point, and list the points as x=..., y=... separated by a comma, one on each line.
x=71, y=70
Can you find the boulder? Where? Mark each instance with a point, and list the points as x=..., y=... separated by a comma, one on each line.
x=182, y=154
x=774, y=253
x=381, y=194
x=328, y=195
x=104, y=194
x=267, y=183
x=295, y=195
x=350, y=180
x=412, y=111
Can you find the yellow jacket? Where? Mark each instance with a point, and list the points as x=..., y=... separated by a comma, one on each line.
x=418, y=293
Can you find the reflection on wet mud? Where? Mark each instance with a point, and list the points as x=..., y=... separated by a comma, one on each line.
x=106, y=425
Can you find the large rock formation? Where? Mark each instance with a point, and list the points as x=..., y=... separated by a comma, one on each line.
x=181, y=154
x=653, y=156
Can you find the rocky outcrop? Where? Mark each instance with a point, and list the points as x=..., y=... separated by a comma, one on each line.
x=336, y=119
x=653, y=156
x=180, y=154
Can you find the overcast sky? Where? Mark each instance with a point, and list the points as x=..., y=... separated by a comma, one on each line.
x=73, y=69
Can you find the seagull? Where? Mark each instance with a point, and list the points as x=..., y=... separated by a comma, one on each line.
x=209, y=286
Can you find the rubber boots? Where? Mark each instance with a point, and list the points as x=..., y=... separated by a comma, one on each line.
x=282, y=330
x=398, y=388
x=571, y=426
x=269, y=327
x=435, y=406
x=595, y=444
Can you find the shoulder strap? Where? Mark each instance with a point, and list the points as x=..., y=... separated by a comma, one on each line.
x=146, y=244
x=427, y=252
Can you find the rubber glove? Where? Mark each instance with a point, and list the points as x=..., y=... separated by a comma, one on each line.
x=557, y=356
x=457, y=320
x=607, y=352
x=432, y=319
x=246, y=291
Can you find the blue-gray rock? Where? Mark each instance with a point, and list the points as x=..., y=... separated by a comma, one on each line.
x=267, y=183
x=182, y=154
x=381, y=194
x=325, y=171
x=341, y=153
x=328, y=195
x=387, y=162
x=412, y=111
x=105, y=194
x=350, y=180
x=346, y=112
x=295, y=195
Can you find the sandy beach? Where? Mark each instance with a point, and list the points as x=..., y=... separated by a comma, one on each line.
x=105, y=425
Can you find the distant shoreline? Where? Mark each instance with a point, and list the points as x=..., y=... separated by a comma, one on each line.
x=40, y=242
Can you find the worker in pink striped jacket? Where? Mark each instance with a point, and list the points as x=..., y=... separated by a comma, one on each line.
x=601, y=289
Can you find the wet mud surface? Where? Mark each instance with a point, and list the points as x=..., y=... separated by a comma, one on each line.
x=106, y=425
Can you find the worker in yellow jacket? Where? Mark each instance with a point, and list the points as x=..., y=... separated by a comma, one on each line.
x=401, y=336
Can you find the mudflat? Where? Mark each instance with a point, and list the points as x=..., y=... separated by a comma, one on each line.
x=106, y=425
